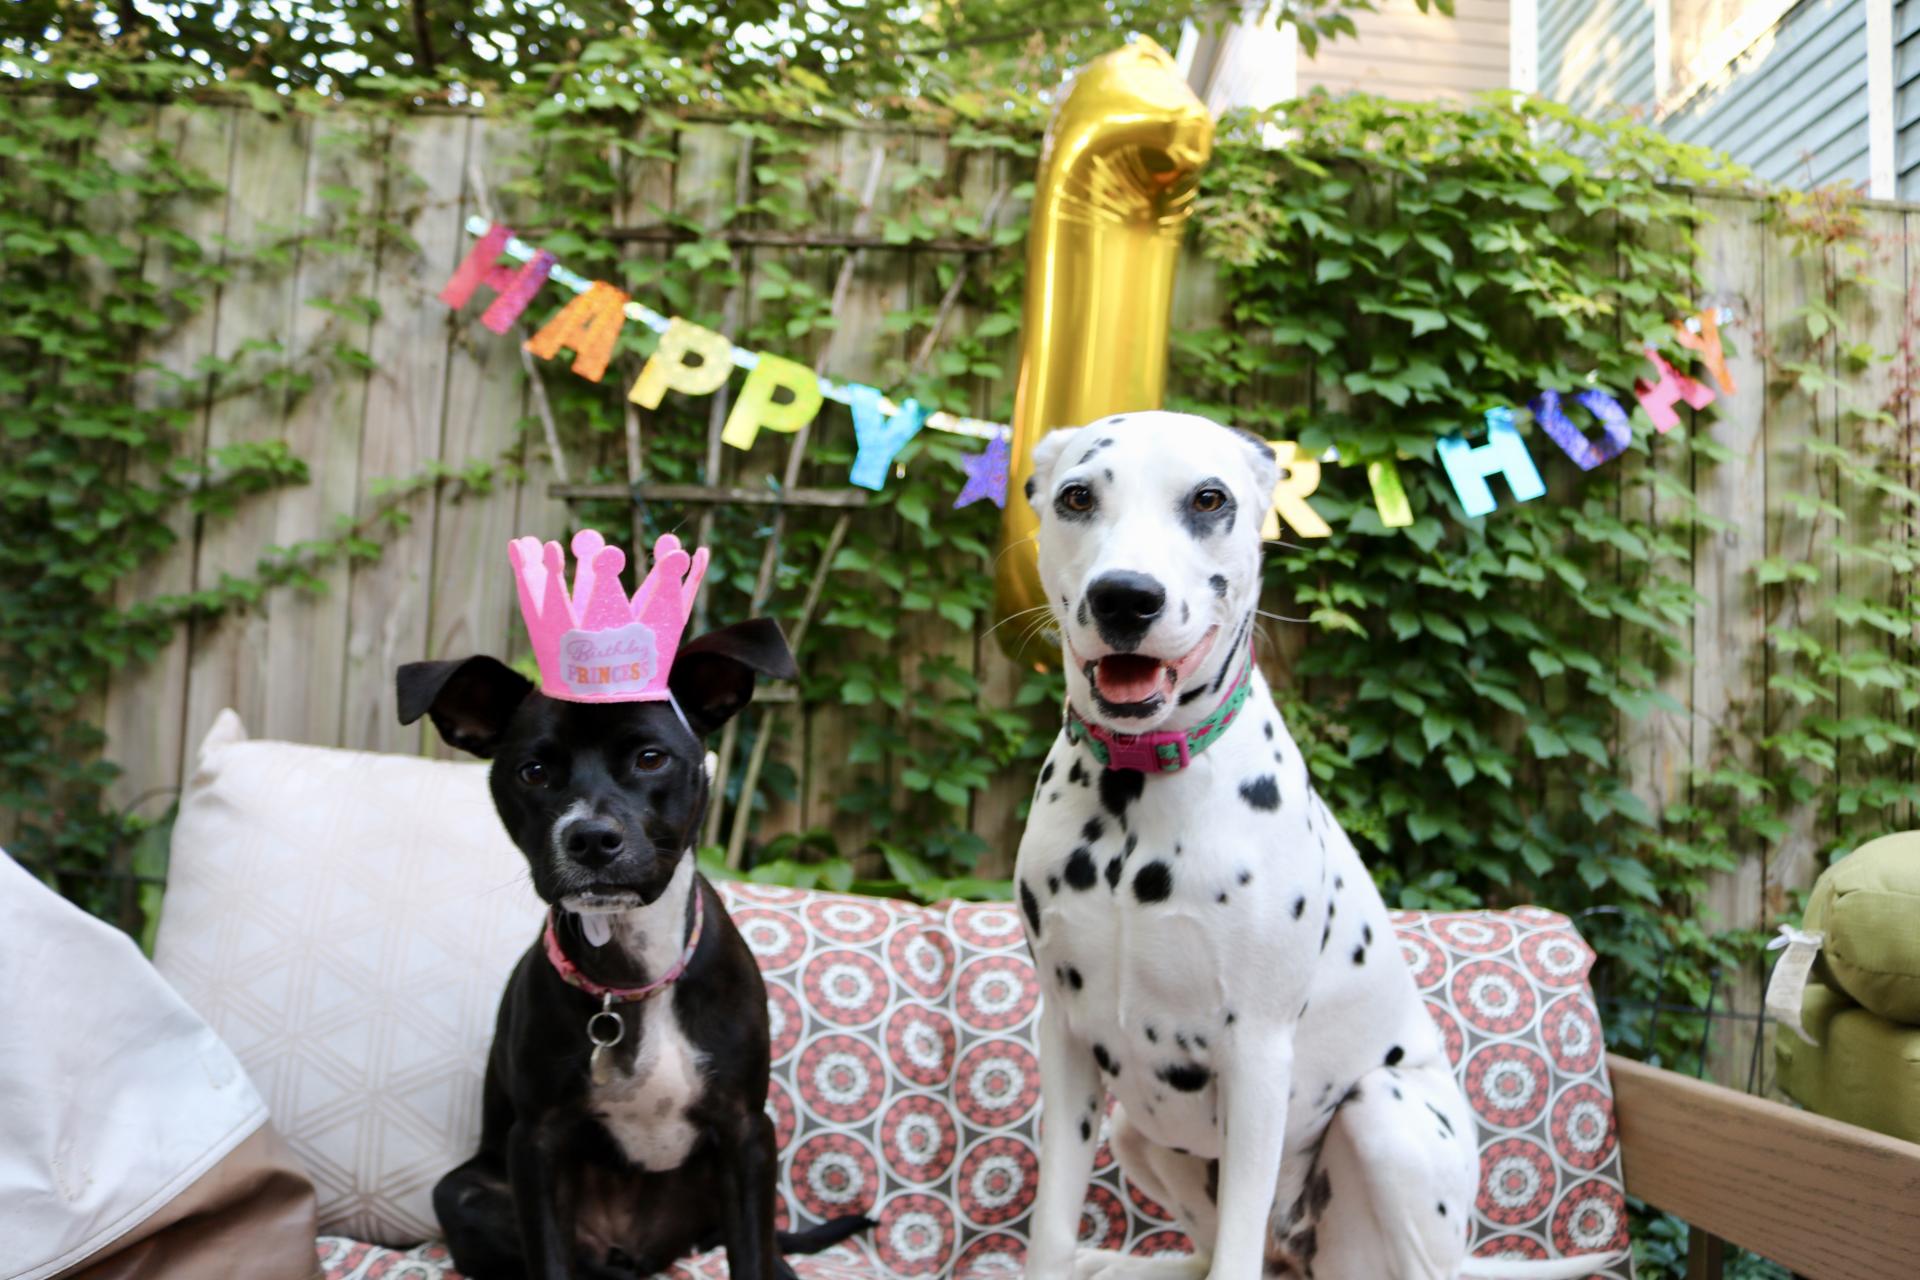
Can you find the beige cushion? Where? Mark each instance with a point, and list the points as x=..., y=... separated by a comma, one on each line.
x=1868, y=904
x=345, y=921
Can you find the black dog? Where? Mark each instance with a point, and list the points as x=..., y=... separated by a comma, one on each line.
x=614, y=1162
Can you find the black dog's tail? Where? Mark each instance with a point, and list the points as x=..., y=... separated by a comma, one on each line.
x=824, y=1236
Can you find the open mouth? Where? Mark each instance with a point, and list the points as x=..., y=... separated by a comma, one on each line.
x=1139, y=682
x=603, y=899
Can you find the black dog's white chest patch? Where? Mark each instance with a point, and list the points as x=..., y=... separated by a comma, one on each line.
x=647, y=1110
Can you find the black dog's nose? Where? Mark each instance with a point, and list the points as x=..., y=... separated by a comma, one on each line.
x=594, y=842
x=1124, y=604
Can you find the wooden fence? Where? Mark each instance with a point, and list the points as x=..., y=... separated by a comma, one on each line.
x=319, y=668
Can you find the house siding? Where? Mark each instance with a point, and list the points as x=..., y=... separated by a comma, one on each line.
x=1400, y=52
x=1906, y=98
x=1793, y=107
x=1597, y=55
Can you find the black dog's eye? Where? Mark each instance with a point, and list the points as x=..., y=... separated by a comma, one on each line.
x=1077, y=497
x=533, y=773
x=650, y=761
x=1209, y=500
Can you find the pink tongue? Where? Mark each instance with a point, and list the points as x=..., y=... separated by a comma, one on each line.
x=1123, y=677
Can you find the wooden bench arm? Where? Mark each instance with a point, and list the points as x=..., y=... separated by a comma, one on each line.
x=1828, y=1200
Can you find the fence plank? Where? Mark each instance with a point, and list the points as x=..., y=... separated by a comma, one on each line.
x=306, y=631
x=406, y=401
x=146, y=704
x=230, y=655
x=1728, y=626
x=474, y=604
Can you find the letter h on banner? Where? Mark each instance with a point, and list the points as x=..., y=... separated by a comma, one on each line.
x=1504, y=452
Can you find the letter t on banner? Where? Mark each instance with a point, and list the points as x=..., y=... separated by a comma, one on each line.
x=880, y=439
x=1504, y=452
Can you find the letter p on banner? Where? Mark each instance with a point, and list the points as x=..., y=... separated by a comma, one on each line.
x=689, y=359
x=756, y=407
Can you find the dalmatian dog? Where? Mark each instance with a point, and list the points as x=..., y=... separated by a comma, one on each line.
x=1215, y=954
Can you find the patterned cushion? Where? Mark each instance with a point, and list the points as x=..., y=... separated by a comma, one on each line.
x=905, y=1086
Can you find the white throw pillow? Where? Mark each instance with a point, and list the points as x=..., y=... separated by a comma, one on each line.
x=346, y=921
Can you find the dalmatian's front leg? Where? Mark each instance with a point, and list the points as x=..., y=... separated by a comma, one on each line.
x=1254, y=1085
x=1070, y=1092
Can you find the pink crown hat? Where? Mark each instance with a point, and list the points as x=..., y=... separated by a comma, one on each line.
x=599, y=646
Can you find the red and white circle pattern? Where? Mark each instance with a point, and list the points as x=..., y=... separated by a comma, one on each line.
x=906, y=1086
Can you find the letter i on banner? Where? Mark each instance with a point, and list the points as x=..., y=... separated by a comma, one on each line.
x=756, y=407
x=690, y=359
x=880, y=438
x=516, y=287
x=1616, y=433
x=1299, y=476
x=1504, y=453
x=1659, y=398
x=590, y=324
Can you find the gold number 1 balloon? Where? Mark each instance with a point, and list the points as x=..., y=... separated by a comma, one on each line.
x=1115, y=188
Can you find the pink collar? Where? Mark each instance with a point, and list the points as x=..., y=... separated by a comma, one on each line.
x=571, y=975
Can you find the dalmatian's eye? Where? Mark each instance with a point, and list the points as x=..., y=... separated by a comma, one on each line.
x=1209, y=500
x=1077, y=497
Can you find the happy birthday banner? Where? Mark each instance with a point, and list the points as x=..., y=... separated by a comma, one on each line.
x=695, y=360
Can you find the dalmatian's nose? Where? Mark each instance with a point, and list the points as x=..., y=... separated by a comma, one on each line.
x=1124, y=604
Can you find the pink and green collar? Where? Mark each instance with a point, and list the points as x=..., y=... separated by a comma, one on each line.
x=1168, y=751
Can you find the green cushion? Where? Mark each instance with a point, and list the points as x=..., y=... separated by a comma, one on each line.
x=1868, y=905
x=1865, y=1071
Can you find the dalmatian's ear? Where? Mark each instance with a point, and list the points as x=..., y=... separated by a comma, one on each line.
x=1046, y=452
x=1266, y=468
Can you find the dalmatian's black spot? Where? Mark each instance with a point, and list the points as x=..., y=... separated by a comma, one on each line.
x=1366, y=934
x=1219, y=584
x=1339, y=882
x=1104, y=1060
x=1299, y=906
x=1180, y=1040
x=1245, y=876
x=1086, y=1131
x=1268, y=727
x=1278, y=758
x=1120, y=788
x=1092, y=453
x=1053, y=797
x=1153, y=1037
x=1331, y=908
x=1153, y=882
x=1186, y=613
x=1397, y=1095
x=1032, y=488
x=1213, y=1182
x=1199, y=1041
x=1221, y=899
x=1093, y=830
x=1108, y=473
x=1441, y=1116
x=1081, y=615
x=1207, y=524
x=1326, y=933
x=1133, y=842
x=1394, y=1055
x=1232, y=1017
x=1077, y=774
x=1053, y=884
x=1046, y=773
x=1080, y=872
x=1187, y=1077
x=1443, y=1208
x=1114, y=866
x=1261, y=793
x=1360, y=955
x=1031, y=907
x=1075, y=979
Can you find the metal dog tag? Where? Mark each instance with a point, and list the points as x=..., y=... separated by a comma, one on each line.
x=606, y=1029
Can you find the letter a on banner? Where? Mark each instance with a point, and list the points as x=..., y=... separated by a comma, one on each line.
x=1615, y=431
x=756, y=407
x=1300, y=476
x=1504, y=453
x=689, y=359
x=590, y=324
x=1659, y=398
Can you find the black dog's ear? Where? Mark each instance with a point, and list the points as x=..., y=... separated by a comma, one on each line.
x=471, y=701
x=712, y=677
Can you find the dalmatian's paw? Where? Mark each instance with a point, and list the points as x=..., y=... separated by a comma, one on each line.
x=1105, y=1264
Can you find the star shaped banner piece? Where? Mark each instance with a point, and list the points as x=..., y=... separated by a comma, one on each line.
x=986, y=475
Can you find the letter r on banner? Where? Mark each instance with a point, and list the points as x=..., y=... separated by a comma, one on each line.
x=1299, y=476
x=1504, y=453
